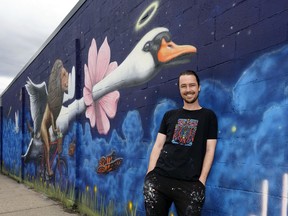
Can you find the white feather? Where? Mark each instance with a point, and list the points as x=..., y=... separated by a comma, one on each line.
x=38, y=100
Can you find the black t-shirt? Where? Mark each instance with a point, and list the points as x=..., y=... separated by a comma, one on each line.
x=184, y=150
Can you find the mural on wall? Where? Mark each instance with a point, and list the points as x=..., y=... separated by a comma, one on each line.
x=103, y=80
x=246, y=129
x=113, y=162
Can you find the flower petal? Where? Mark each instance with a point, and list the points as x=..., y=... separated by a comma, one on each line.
x=102, y=121
x=112, y=66
x=92, y=61
x=103, y=60
x=90, y=113
x=87, y=78
x=87, y=94
x=109, y=103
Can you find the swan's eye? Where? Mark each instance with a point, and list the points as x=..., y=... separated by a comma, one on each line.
x=146, y=47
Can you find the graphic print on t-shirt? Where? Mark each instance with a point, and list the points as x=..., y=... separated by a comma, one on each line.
x=184, y=132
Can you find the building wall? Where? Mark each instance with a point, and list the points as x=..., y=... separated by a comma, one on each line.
x=107, y=137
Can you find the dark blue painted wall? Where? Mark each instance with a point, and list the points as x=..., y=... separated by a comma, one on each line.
x=241, y=58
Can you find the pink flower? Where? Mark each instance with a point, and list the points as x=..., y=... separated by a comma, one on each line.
x=98, y=67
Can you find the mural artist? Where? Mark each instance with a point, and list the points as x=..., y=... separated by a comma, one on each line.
x=182, y=155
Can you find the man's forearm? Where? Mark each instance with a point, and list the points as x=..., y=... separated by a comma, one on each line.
x=208, y=160
x=160, y=140
x=153, y=158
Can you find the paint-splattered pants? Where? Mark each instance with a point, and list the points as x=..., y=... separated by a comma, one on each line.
x=160, y=192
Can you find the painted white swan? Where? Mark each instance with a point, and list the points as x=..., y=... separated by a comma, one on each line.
x=151, y=53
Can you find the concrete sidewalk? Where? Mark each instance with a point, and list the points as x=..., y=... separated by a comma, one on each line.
x=18, y=200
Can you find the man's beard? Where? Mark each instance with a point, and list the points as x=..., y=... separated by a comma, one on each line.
x=191, y=101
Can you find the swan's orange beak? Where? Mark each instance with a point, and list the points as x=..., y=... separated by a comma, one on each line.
x=169, y=51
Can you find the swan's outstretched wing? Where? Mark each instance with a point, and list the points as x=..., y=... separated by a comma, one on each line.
x=38, y=100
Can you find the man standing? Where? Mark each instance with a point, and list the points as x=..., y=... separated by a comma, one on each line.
x=182, y=155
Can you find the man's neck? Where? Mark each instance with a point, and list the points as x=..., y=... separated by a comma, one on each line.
x=193, y=106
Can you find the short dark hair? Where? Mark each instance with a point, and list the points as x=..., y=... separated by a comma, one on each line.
x=189, y=72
